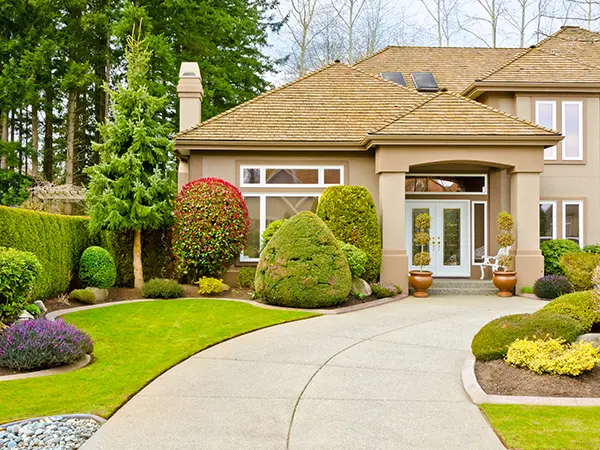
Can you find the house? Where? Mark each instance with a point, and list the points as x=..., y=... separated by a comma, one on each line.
x=462, y=133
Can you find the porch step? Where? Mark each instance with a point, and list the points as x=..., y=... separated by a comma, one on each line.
x=442, y=286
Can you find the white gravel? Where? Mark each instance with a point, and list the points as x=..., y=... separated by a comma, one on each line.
x=51, y=433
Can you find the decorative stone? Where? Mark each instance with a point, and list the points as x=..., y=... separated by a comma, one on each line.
x=40, y=304
x=25, y=316
x=594, y=338
x=100, y=294
x=361, y=288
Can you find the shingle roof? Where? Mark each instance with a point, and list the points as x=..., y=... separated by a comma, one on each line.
x=576, y=43
x=336, y=103
x=451, y=114
x=454, y=68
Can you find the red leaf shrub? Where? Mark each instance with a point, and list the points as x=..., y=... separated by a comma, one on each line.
x=211, y=227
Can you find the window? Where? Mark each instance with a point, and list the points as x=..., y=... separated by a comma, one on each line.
x=547, y=220
x=479, y=231
x=572, y=128
x=545, y=116
x=572, y=215
x=291, y=176
x=446, y=184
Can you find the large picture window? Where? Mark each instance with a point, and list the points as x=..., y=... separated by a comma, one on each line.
x=446, y=184
x=291, y=176
x=547, y=220
x=545, y=116
x=572, y=129
x=572, y=215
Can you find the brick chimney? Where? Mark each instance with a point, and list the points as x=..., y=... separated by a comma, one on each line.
x=190, y=93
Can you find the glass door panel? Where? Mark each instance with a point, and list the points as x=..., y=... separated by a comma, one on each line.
x=451, y=237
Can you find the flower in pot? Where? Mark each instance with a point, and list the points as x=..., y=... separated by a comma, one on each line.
x=504, y=279
x=421, y=280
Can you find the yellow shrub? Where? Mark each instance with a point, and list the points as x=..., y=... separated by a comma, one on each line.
x=552, y=356
x=207, y=285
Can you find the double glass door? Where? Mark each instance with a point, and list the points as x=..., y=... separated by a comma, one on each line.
x=449, y=236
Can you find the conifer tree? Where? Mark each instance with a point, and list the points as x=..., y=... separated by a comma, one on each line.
x=133, y=186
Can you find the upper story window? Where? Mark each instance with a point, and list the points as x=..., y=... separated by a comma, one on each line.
x=545, y=115
x=291, y=176
x=446, y=184
x=572, y=129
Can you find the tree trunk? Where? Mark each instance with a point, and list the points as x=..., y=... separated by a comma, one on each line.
x=34, y=140
x=4, y=137
x=48, y=137
x=71, y=105
x=138, y=271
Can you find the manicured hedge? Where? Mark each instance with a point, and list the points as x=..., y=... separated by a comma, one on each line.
x=580, y=306
x=579, y=268
x=552, y=250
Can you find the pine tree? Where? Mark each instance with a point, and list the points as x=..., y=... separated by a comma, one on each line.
x=133, y=186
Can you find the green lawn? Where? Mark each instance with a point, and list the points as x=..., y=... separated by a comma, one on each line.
x=546, y=427
x=134, y=343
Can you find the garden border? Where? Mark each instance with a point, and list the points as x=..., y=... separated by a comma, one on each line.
x=98, y=419
x=478, y=395
x=54, y=371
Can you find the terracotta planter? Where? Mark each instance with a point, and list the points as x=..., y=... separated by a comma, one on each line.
x=420, y=282
x=505, y=282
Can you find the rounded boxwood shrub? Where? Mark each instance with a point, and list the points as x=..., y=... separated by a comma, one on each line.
x=552, y=286
x=42, y=344
x=350, y=213
x=580, y=306
x=356, y=258
x=18, y=272
x=303, y=266
x=83, y=295
x=245, y=278
x=97, y=268
x=162, y=288
x=270, y=231
x=211, y=227
x=493, y=340
x=552, y=250
x=579, y=269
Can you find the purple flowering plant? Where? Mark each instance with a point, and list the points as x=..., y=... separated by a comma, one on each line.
x=42, y=344
x=384, y=289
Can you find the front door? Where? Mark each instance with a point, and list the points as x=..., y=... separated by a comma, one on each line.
x=449, y=236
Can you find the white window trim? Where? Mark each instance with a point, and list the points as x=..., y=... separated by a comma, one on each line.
x=485, y=228
x=263, y=171
x=552, y=157
x=554, y=217
x=579, y=203
x=579, y=104
x=417, y=175
x=262, y=196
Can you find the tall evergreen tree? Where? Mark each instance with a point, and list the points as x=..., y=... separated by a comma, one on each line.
x=133, y=186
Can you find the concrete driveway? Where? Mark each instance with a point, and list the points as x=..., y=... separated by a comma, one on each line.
x=382, y=378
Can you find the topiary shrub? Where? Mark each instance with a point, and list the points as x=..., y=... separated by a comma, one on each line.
x=18, y=271
x=552, y=286
x=356, y=258
x=578, y=305
x=84, y=296
x=350, y=213
x=211, y=227
x=270, y=231
x=162, y=288
x=208, y=285
x=579, y=269
x=245, y=278
x=97, y=268
x=42, y=344
x=384, y=289
x=552, y=250
x=303, y=266
x=552, y=357
x=493, y=340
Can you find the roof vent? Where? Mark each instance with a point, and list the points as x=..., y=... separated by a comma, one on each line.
x=396, y=77
x=425, y=81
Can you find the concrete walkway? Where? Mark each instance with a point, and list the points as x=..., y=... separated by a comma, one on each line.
x=381, y=378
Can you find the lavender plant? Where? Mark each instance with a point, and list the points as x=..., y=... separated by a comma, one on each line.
x=42, y=344
x=384, y=289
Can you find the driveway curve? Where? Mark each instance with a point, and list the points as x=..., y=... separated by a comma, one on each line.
x=381, y=378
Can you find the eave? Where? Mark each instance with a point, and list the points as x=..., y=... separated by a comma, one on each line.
x=184, y=146
x=373, y=140
x=479, y=87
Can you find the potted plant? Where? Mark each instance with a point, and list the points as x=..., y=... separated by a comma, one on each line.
x=504, y=279
x=421, y=280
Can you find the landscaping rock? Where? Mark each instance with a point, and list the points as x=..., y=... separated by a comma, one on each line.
x=100, y=294
x=25, y=316
x=40, y=304
x=594, y=338
x=361, y=288
x=49, y=433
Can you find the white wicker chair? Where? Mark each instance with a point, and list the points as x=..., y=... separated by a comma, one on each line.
x=493, y=261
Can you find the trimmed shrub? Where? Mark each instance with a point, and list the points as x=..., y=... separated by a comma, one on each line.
x=578, y=305
x=162, y=288
x=579, y=269
x=384, y=289
x=552, y=357
x=208, y=285
x=552, y=250
x=303, y=266
x=211, y=227
x=13, y=187
x=493, y=340
x=18, y=271
x=42, y=344
x=270, y=231
x=552, y=286
x=97, y=268
x=350, y=213
x=245, y=278
x=33, y=310
x=356, y=258
x=83, y=295
x=592, y=248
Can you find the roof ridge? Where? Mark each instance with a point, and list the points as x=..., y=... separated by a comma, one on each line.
x=564, y=28
x=366, y=57
x=410, y=110
x=553, y=35
x=504, y=64
x=380, y=78
x=258, y=97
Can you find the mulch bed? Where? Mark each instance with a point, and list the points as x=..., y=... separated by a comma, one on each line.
x=4, y=371
x=499, y=378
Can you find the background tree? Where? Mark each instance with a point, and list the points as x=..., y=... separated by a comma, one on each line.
x=133, y=185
